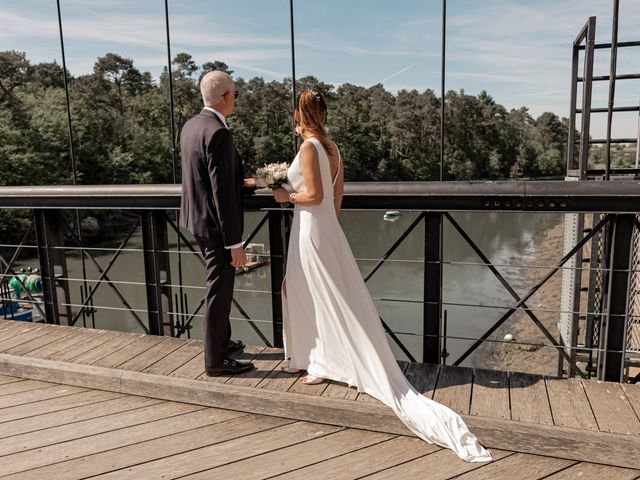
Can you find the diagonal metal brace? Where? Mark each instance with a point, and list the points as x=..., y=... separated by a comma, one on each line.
x=508, y=287
x=106, y=278
x=534, y=289
x=104, y=274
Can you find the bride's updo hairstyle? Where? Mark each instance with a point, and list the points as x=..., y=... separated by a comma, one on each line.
x=313, y=117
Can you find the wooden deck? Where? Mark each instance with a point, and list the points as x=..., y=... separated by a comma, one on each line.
x=68, y=410
x=59, y=432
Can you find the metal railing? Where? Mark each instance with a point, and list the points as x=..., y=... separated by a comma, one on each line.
x=613, y=204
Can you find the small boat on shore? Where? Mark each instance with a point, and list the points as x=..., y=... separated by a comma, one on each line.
x=15, y=303
x=256, y=257
x=391, y=216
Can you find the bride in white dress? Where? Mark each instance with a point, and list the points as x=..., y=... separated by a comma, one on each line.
x=331, y=325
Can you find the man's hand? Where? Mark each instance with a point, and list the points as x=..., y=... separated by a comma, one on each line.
x=250, y=183
x=280, y=194
x=237, y=257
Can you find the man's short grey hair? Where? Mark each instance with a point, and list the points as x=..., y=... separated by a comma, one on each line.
x=214, y=85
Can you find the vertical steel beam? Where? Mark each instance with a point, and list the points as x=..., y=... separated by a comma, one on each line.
x=613, y=328
x=53, y=267
x=432, y=309
x=294, y=138
x=572, y=108
x=586, y=97
x=442, y=81
x=279, y=224
x=612, y=84
x=174, y=162
x=157, y=272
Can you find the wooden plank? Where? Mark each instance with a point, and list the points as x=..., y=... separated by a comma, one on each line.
x=192, y=369
x=365, y=397
x=46, y=406
x=161, y=449
x=24, y=386
x=176, y=359
x=529, y=400
x=358, y=463
x=569, y=404
x=453, y=388
x=95, y=426
x=490, y=394
x=22, y=335
x=592, y=470
x=581, y=445
x=340, y=390
x=241, y=445
x=423, y=377
x=63, y=343
x=317, y=389
x=6, y=325
x=442, y=464
x=31, y=345
x=279, y=380
x=102, y=405
x=13, y=327
x=133, y=349
x=92, y=339
x=44, y=393
x=520, y=466
x=249, y=354
x=265, y=362
x=58, y=456
x=611, y=408
x=294, y=458
x=5, y=379
x=632, y=391
x=113, y=345
x=151, y=356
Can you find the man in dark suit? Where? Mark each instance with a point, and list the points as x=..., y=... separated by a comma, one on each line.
x=211, y=209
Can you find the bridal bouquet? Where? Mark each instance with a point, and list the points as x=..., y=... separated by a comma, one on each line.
x=273, y=175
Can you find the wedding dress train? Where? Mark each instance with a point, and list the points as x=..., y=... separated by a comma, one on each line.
x=332, y=328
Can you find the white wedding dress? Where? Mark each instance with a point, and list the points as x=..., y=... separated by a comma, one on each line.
x=332, y=328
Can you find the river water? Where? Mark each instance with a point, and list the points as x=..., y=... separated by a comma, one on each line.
x=397, y=287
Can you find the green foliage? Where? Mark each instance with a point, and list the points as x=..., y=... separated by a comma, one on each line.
x=122, y=134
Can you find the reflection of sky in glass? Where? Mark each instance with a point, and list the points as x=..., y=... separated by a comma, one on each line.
x=517, y=51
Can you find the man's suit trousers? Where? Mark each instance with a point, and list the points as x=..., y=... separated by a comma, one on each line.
x=219, y=279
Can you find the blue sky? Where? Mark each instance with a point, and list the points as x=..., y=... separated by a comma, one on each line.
x=519, y=51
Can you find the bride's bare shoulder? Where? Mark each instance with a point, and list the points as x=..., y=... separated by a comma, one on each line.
x=308, y=149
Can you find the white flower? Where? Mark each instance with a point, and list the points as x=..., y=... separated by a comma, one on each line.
x=271, y=175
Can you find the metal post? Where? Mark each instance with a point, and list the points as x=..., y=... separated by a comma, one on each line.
x=157, y=272
x=613, y=328
x=612, y=84
x=586, y=97
x=278, y=242
x=572, y=107
x=53, y=265
x=294, y=139
x=432, y=310
x=442, y=92
x=171, y=107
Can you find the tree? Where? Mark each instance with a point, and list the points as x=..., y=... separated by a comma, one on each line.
x=213, y=66
x=14, y=70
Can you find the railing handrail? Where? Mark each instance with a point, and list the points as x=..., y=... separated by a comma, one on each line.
x=534, y=195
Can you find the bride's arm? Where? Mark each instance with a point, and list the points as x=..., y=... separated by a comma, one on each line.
x=310, y=166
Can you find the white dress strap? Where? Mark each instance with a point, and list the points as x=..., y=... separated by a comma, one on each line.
x=335, y=179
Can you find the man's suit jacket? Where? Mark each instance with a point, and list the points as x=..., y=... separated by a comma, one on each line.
x=212, y=181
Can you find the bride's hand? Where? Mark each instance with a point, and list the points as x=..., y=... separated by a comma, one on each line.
x=281, y=195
